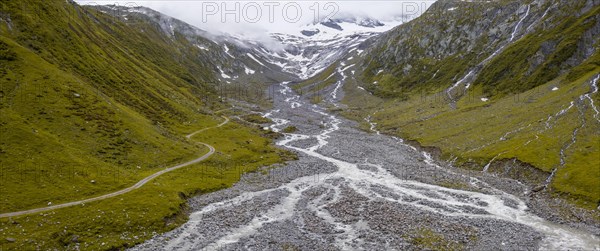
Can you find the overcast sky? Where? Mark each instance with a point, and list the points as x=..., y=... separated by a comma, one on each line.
x=247, y=17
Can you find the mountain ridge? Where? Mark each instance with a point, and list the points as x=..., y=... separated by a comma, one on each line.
x=535, y=64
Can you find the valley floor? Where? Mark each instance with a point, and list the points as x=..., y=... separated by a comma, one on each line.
x=356, y=190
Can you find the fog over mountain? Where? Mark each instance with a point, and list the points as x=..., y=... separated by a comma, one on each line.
x=254, y=19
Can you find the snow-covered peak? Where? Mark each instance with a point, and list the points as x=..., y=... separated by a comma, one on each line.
x=361, y=21
x=310, y=48
x=302, y=51
x=334, y=28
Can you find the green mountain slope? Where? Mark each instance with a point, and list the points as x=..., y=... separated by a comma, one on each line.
x=74, y=97
x=90, y=105
x=508, y=87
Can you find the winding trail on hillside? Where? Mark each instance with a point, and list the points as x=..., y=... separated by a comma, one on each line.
x=131, y=188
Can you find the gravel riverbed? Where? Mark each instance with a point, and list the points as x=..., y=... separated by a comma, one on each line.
x=355, y=190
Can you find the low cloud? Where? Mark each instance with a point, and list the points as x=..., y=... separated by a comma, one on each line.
x=255, y=19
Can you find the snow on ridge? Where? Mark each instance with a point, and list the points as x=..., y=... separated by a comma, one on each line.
x=253, y=58
x=306, y=55
x=227, y=50
x=348, y=29
x=201, y=47
x=223, y=75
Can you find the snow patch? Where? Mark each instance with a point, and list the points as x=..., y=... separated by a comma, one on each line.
x=248, y=71
x=202, y=47
x=227, y=51
x=253, y=58
x=223, y=75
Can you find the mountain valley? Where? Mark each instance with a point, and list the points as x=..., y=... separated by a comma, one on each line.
x=474, y=125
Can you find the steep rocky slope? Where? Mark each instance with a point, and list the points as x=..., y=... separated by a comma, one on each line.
x=498, y=86
x=240, y=65
x=467, y=43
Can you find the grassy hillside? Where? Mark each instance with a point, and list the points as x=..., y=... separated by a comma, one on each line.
x=530, y=112
x=81, y=95
x=523, y=128
x=90, y=105
x=157, y=207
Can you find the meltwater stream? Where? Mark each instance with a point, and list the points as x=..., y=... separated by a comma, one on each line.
x=351, y=190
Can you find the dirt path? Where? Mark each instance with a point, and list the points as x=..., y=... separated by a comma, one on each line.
x=131, y=188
